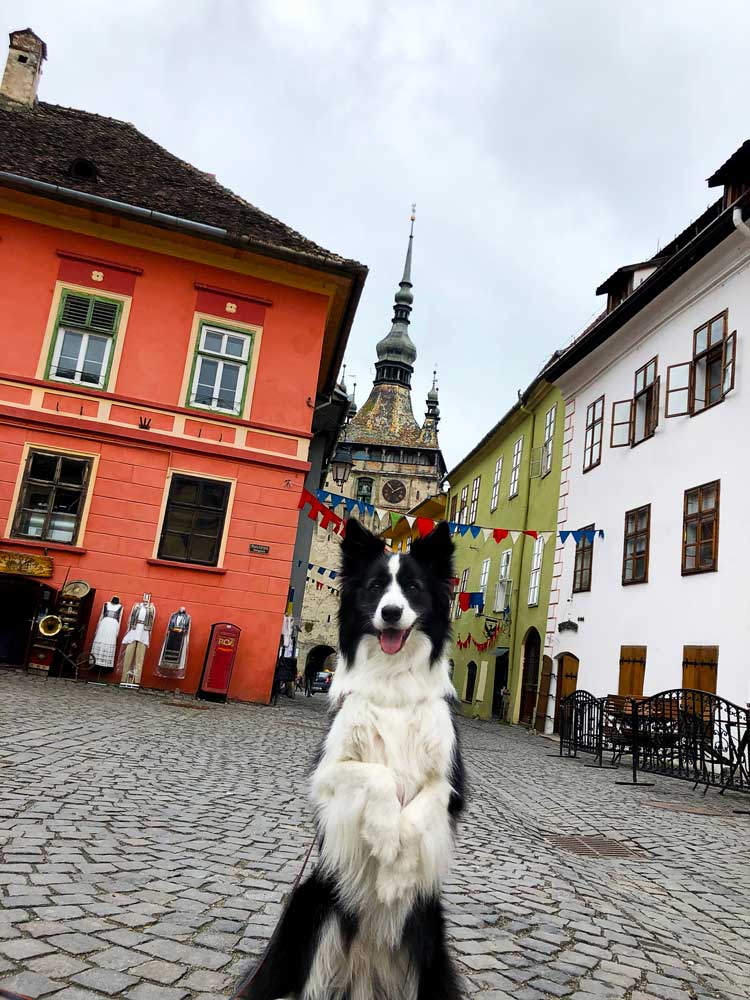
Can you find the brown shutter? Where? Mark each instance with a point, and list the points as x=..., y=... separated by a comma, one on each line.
x=632, y=671
x=700, y=666
x=567, y=678
x=543, y=696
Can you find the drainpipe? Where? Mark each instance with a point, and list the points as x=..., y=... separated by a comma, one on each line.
x=514, y=627
x=739, y=223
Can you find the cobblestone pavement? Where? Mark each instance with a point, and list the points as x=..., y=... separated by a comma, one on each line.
x=145, y=849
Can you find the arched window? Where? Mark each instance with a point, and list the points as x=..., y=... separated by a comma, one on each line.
x=82, y=169
x=471, y=680
x=364, y=489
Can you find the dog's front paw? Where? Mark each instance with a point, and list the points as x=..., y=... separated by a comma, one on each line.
x=401, y=876
x=380, y=831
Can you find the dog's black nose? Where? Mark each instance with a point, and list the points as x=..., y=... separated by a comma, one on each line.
x=391, y=613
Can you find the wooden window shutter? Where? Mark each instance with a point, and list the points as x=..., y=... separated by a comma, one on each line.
x=653, y=421
x=700, y=666
x=632, y=671
x=543, y=696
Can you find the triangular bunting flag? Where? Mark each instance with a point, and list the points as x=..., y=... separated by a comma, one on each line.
x=349, y=504
x=486, y=532
x=577, y=535
x=514, y=536
x=410, y=519
x=545, y=536
x=531, y=534
x=500, y=534
x=381, y=514
x=564, y=535
x=395, y=518
x=309, y=565
x=452, y=527
x=425, y=525
x=590, y=534
x=463, y=529
x=322, y=495
x=333, y=574
x=475, y=530
x=321, y=569
x=600, y=532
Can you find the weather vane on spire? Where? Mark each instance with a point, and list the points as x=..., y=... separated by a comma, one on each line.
x=413, y=216
x=434, y=376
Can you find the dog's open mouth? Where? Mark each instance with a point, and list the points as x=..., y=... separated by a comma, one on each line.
x=392, y=639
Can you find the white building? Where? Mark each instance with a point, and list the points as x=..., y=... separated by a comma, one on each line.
x=657, y=396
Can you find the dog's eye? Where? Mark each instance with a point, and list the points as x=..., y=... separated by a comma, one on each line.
x=414, y=588
x=375, y=585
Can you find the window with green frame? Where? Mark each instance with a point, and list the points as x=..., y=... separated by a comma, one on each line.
x=219, y=377
x=85, y=333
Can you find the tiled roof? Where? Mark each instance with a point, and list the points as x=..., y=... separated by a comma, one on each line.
x=386, y=418
x=40, y=142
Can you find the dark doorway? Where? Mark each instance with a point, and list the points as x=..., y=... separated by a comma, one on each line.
x=20, y=597
x=317, y=657
x=499, y=685
x=532, y=649
x=471, y=680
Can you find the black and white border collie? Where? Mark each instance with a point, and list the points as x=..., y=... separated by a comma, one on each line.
x=387, y=790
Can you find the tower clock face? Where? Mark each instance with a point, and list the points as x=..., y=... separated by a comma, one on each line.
x=394, y=491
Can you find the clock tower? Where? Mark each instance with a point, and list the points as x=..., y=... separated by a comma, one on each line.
x=397, y=463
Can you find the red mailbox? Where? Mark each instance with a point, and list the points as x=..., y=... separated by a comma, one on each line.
x=219, y=660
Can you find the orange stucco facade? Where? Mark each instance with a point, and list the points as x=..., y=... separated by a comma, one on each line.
x=140, y=428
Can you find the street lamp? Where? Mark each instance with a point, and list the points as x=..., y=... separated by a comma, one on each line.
x=341, y=464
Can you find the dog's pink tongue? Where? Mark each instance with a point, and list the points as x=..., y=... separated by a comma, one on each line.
x=391, y=640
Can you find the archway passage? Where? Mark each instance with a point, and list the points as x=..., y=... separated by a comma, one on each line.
x=317, y=657
x=532, y=649
x=567, y=682
x=500, y=686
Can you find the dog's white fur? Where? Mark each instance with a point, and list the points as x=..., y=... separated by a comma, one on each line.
x=381, y=793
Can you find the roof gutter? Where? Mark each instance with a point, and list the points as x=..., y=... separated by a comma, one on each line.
x=166, y=221
x=702, y=244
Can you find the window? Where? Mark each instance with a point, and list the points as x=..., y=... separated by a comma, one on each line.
x=694, y=386
x=496, y=483
x=82, y=347
x=484, y=577
x=52, y=497
x=474, y=500
x=584, y=558
x=194, y=520
x=536, y=571
x=220, y=369
x=515, y=468
x=504, y=586
x=462, y=507
x=632, y=671
x=471, y=681
x=592, y=446
x=461, y=590
x=634, y=420
x=549, y=435
x=454, y=504
x=364, y=490
x=700, y=533
x=635, y=551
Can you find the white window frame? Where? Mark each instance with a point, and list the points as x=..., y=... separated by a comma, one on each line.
x=536, y=571
x=463, y=504
x=504, y=583
x=515, y=468
x=223, y=360
x=474, y=499
x=484, y=577
x=86, y=335
x=549, y=437
x=496, y=484
x=461, y=587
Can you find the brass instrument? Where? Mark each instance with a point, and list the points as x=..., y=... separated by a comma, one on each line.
x=50, y=626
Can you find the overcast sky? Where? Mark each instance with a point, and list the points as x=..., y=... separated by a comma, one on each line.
x=545, y=144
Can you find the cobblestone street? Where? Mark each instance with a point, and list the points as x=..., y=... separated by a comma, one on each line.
x=145, y=849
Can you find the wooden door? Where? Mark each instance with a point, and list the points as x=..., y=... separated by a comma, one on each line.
x=532, y=649
x=700, y=666
x=567, y=682
x=543, y=696
x=632, y=671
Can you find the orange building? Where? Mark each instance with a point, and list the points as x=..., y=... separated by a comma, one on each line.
x=163, y=346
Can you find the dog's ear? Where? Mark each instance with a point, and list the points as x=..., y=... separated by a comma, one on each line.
x=359, y=546
x=435, y=551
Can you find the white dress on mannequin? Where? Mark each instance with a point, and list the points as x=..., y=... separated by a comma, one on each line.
x=104, y=647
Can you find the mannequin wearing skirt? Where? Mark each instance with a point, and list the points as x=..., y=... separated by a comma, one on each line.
x=104, y=647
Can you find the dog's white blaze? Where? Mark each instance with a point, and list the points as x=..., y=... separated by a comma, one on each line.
x=394, y=597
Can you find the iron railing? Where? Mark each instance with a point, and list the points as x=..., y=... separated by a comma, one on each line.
x=692, y=735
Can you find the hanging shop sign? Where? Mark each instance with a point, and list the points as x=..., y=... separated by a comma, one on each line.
x=23, y=564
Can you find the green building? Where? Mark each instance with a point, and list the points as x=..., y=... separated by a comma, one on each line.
x=509, y=480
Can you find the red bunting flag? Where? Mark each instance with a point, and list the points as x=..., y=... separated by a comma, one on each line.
x=500, y=534
x=424, y=526
x=531, y=534
x=463, y=600
x=316, y=507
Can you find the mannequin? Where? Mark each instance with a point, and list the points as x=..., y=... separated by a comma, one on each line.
x=136, y=641
x=173, y=658
x=104, y=646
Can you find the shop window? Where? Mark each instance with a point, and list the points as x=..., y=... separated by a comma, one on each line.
x=700, y=532
x=84, y=339
x=52, y=497
x=220, y=369
x=583, y=562
x=194, y=520
x=636, y=545
x=694, y=386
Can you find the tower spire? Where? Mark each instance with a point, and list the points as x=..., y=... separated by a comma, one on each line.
x=396, y=352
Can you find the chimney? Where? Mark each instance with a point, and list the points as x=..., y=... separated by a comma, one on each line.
x=26, y=54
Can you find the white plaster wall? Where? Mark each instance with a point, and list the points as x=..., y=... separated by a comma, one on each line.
x=670, y=610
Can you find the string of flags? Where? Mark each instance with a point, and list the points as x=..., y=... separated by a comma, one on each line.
x=321, y=570
x=319, y=584
x=319, y=505
x=481, y=646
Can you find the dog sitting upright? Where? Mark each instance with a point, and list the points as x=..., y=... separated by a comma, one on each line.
x=389, y=785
